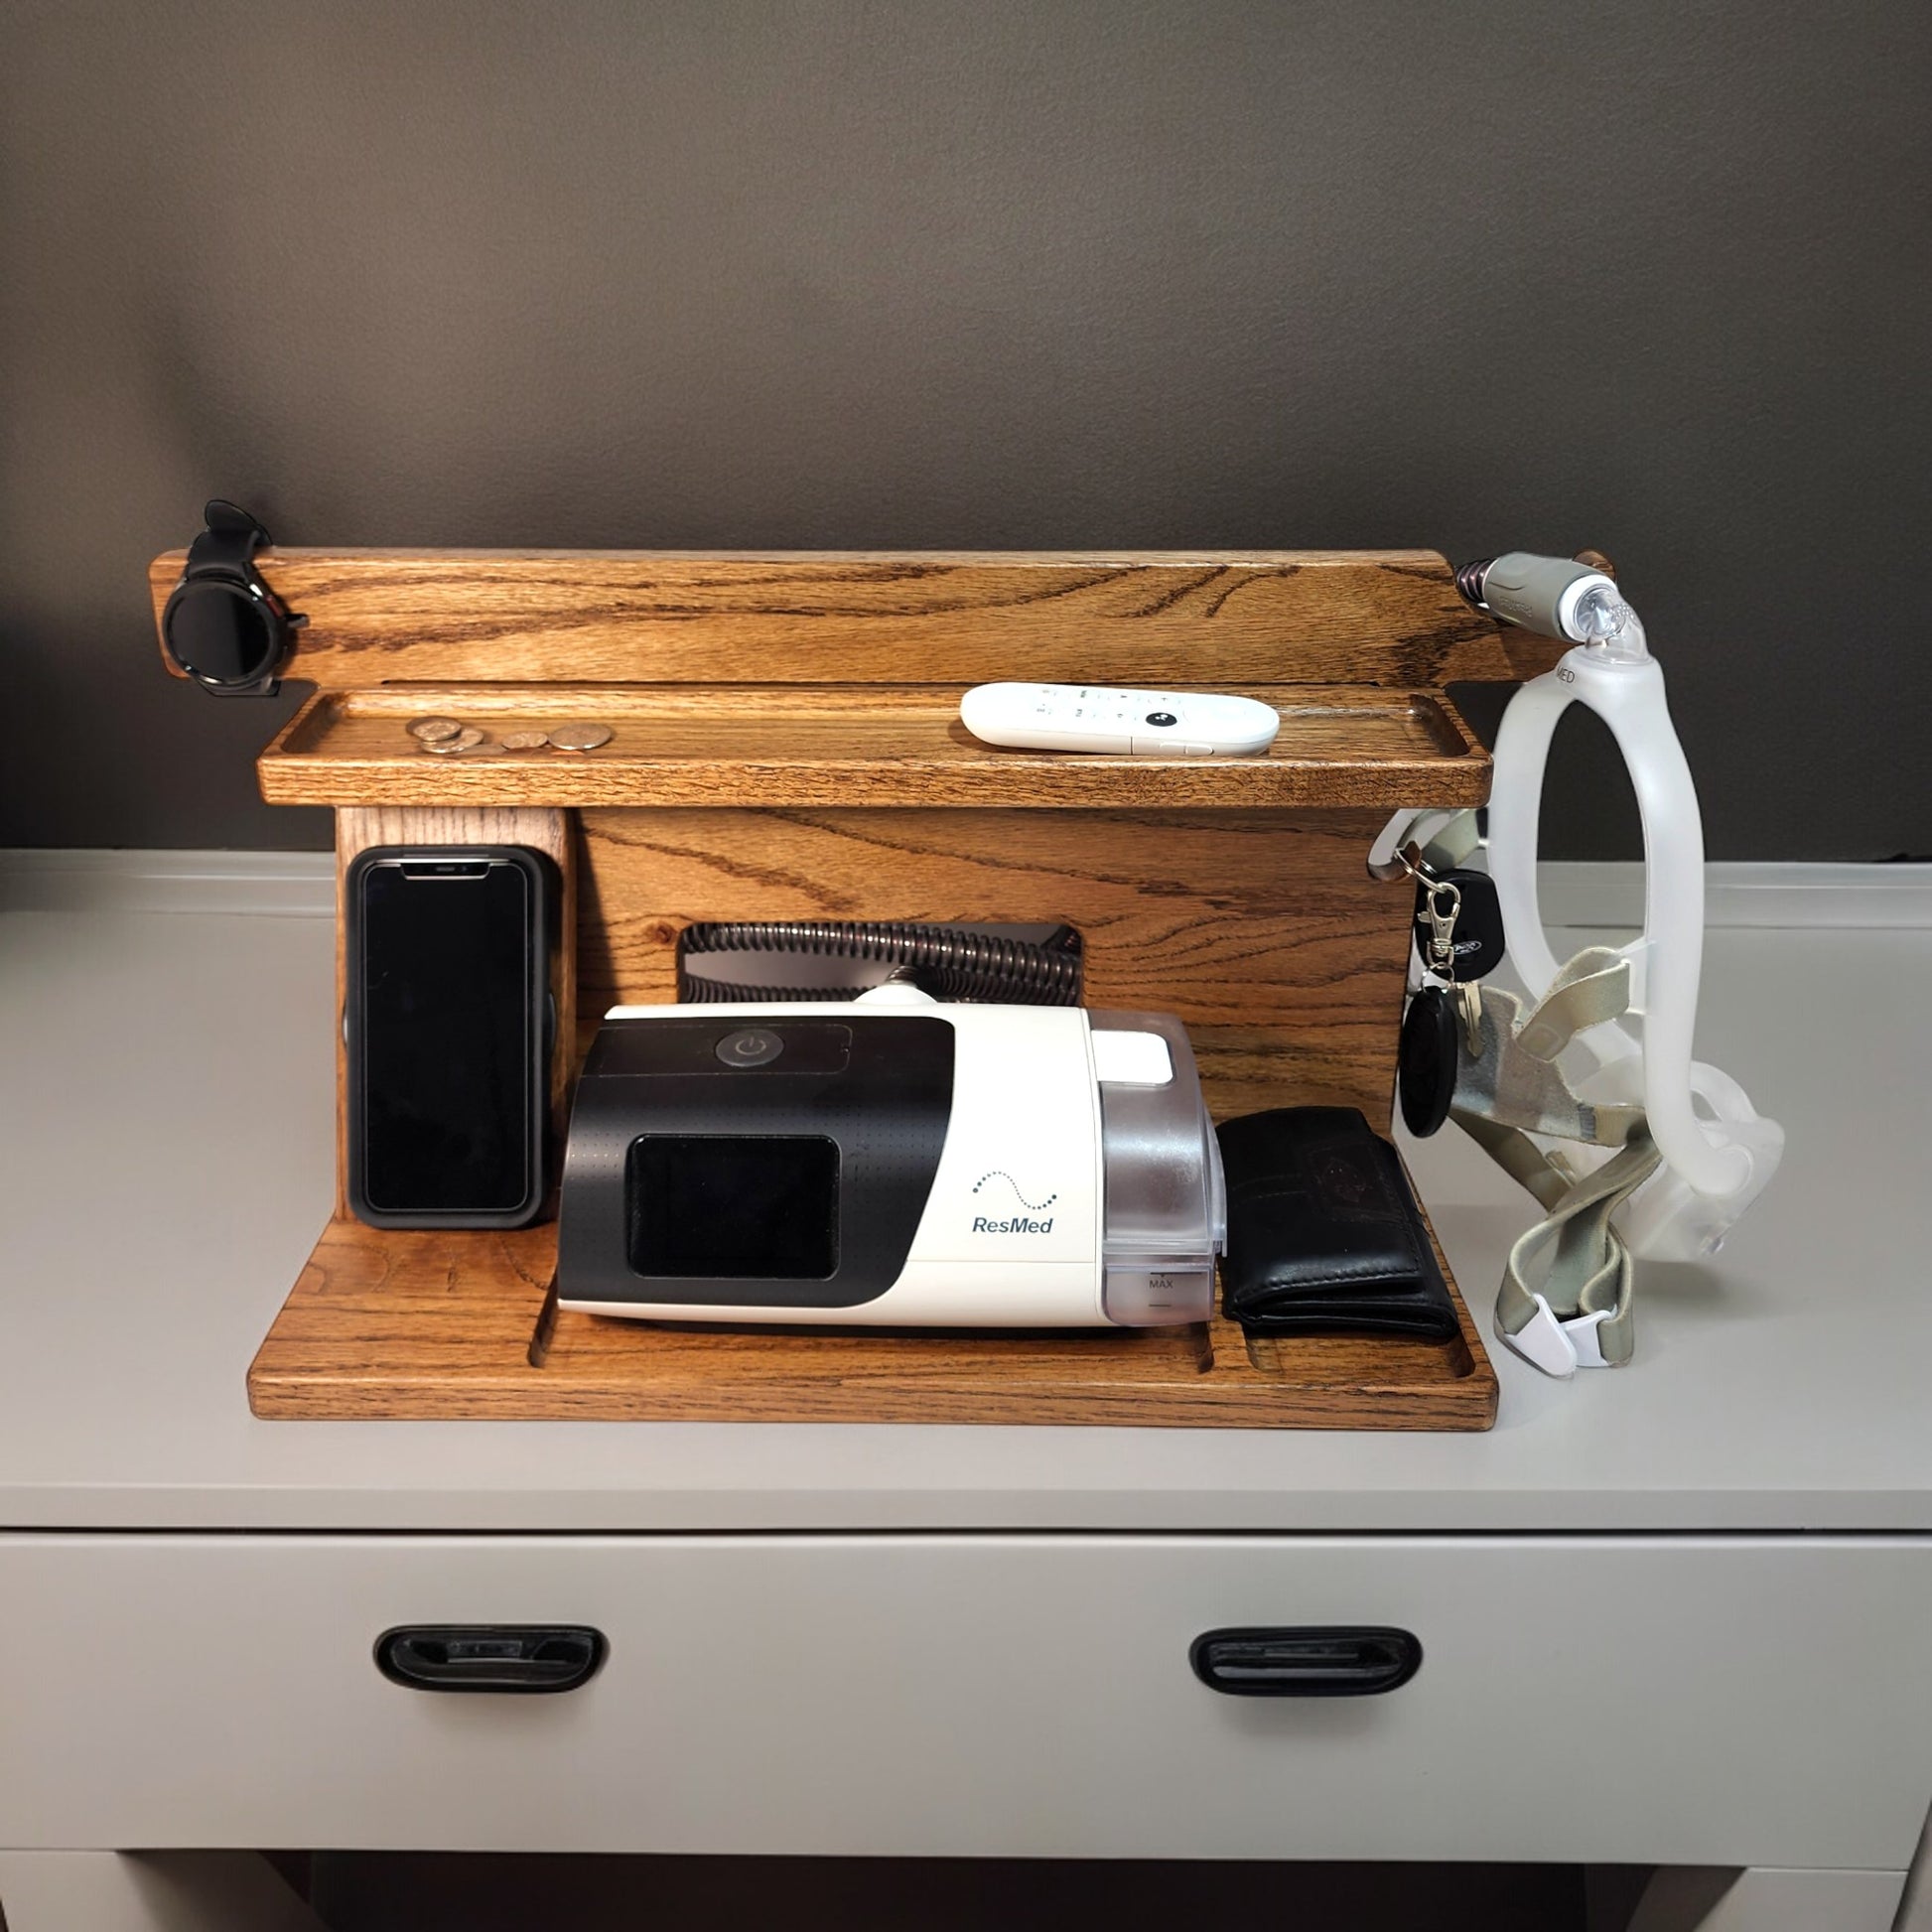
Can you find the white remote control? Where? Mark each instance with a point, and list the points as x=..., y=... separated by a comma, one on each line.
x=1094, y=718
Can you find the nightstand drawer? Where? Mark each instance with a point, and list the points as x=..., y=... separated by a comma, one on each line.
x=1738, y=1701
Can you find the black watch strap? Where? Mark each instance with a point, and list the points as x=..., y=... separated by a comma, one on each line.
x=227, y=546
x=223, y=626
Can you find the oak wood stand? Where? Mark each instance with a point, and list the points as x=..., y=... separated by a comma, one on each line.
x=786, y=745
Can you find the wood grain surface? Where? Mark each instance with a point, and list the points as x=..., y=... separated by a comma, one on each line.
x=1389, y=617
x=785, y=744
x=875, y=746
x=1262, y=930
x=449, y=1325
x=548, y=832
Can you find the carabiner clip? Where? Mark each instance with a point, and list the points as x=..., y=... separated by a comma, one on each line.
x=1442, y=925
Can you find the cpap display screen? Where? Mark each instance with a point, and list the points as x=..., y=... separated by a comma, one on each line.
x=753, y=1207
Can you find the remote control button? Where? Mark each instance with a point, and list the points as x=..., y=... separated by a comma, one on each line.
x=752, y=1048
x=1162, y=718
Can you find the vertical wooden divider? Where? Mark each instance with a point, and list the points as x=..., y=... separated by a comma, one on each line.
x=1261, y=930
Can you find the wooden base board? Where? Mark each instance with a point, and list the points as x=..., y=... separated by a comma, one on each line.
x=446, y=1326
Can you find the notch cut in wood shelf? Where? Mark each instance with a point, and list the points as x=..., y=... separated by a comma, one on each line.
x=449, y=1325
x=853, y=745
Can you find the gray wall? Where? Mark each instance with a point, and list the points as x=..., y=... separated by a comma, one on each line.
x=604, y=272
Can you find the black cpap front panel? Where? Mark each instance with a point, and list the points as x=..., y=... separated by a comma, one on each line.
x=779, y=1164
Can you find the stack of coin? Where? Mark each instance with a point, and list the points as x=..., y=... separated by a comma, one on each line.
x=446, y=736
x=452, y=737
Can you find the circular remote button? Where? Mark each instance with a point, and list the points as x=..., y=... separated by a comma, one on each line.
x=752, y=1048
x=1162, y=718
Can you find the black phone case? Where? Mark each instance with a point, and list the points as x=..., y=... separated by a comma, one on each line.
x=544, y=900
x=1324, y=1235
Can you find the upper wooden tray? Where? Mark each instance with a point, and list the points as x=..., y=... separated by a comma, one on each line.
x=1205, y=620
x=817, y=746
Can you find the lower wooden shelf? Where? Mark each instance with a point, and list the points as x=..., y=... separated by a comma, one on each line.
x=447, y=1326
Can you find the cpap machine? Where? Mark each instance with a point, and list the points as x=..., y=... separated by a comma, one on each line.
x=892, y=1162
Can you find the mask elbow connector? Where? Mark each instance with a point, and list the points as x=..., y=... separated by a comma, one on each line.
x=1555, y=597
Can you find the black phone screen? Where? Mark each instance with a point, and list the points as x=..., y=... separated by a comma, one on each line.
x=447, y=1060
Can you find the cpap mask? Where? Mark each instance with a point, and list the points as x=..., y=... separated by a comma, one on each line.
x=1671, y=1146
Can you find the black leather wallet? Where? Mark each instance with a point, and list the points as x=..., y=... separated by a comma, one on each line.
x=1324, y=1235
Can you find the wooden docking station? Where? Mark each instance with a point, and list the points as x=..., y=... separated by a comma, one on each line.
x=785, y=745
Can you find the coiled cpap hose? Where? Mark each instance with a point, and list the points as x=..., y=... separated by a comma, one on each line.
x=949, y=962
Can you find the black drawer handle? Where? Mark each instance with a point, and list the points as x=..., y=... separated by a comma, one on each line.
x=1339, y=1661
x=489, y=1656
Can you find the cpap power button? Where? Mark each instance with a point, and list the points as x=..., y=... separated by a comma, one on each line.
x=755, y=1047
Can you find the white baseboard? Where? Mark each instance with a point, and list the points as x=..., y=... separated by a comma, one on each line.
x=285, y=885
x=302, y=884
x=1776, y=893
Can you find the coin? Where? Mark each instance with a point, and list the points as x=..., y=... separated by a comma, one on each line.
x=524, y=740
x=471, y=736
x=579, y=737
x=433, y=731
x=488, y=749
x=441, y=747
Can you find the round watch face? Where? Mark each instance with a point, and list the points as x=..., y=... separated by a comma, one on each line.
x=222, y=632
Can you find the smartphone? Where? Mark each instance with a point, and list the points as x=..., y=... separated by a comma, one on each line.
x=448, y=1032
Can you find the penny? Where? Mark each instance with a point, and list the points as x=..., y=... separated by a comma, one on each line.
x=579, y=737
x=524, y=740
x=471, y=736
x=433, y=731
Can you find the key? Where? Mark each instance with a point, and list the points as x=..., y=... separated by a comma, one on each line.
x=1478, y=923
x=1468, y=996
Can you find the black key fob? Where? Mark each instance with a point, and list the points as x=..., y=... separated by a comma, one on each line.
x=1479, y=938
x=1424, y=1067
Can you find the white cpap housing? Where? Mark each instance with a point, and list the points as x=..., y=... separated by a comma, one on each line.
x=892, y=1162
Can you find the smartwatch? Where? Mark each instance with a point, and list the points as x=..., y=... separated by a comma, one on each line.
x=222, y=624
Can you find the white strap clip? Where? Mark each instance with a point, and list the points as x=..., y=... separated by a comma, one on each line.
x=1558, y=1348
